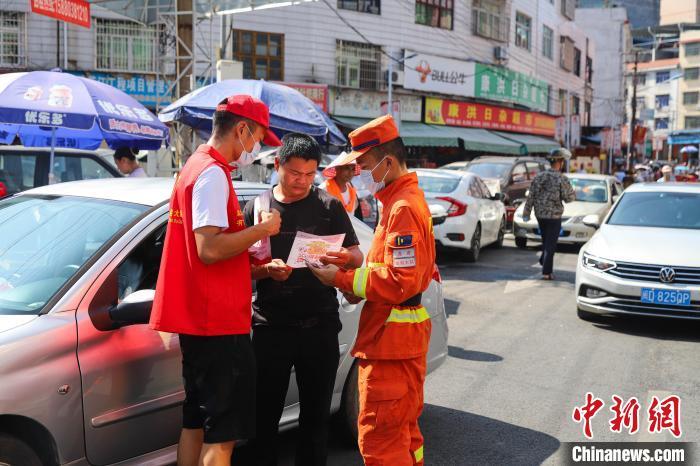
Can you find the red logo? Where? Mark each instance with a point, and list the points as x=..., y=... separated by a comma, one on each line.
x=424, y=69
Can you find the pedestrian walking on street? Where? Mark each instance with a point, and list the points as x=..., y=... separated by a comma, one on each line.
x=394, y=329
x=548, y=192
x=204, y=289
x=295, y=316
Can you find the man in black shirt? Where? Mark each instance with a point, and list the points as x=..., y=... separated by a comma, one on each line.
x=295, y=316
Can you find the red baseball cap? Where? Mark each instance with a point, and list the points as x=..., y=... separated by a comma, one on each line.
x=253, y=109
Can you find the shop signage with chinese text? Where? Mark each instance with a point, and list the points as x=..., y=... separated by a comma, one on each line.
x=317, y=93
x=466, y=114
x=367, y=104
x=70, y=11
x=437, y=74
x=498, y=83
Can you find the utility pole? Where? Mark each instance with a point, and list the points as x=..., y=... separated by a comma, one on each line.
x=633, y=119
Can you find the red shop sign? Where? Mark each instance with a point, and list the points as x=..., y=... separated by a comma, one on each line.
x=70, y=11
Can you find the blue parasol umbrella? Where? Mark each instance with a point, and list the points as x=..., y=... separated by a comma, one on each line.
x=290, y=111
x=54, y=109
x=689, y=150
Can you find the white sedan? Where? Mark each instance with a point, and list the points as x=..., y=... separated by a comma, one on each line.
x=475, y=217
x=643, y=259
x=595, y=195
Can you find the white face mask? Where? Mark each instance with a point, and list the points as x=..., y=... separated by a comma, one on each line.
x=368, y=180
x=247, y=158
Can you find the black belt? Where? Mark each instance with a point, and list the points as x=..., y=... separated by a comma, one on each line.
x=413, y=301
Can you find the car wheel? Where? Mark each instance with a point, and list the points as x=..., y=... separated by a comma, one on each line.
x=472, y=255
x=349, y=408
x=521, y=243
x=501, y=234
x=589, y=316
x=14, y=452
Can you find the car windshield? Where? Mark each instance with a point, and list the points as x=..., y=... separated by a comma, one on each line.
x=490, y=170
x=45, y=240
x=438, y=184
x=658, y=209
x=589, y=190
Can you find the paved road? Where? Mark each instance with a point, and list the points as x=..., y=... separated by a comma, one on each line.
x=520, y=361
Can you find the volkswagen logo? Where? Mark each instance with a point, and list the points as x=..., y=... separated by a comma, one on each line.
x=667, y=275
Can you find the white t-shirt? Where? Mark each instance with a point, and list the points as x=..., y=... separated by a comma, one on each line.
x=138, y=173
x=209, y=199
x=346, y=196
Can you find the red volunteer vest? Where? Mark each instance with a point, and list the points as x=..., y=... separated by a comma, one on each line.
x=191, y=297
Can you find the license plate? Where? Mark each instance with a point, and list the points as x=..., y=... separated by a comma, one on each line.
x=672, y=297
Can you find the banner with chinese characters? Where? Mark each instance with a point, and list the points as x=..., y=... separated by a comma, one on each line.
x=437, y=74
x=497, y=83
x=317, y=93
x=70, y=11
x=466, y=114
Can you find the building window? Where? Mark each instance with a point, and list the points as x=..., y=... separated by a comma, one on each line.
x=489, y=19
x=357, y=65
x=568, y=8
x=641, y=79
x=661, y=123
x=435, y=13
x=562, y=101
x=690, y=98
x=577, y=62
x=641, y=102
x=262, y=54
x=692, y=122
x=363, y=6
x=691, y=74
x=662, y=101
x=12, y=43
x=566, y=53
x=125, y=45
x=662, y=76
x=692, y=50
x=575, y=105
x=589, y=70
x=547, y=42
x=523, y=30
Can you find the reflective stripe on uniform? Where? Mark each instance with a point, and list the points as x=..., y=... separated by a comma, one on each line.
x=408, y=316
x=374, y=264
x=418, y=454
x=359, y=283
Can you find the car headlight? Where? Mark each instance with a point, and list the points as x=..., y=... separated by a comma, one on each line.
x=597, y=263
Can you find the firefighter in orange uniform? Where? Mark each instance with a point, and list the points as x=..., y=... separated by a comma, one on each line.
x=394, y=331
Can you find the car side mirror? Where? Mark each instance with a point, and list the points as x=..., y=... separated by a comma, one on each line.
x=592, y=221
x=134, y=309
x=3, y=189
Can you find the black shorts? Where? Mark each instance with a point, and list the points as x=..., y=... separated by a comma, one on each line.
x=219, y=374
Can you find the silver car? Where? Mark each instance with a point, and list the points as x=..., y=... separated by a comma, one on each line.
x=84, y=380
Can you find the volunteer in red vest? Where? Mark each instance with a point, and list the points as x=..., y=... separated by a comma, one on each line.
x=339, y=184
x=204, y=287
x=394, y=329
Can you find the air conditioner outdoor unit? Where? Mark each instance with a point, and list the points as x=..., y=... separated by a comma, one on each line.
x=397, y=77
x=228, y=69
x=500, y=53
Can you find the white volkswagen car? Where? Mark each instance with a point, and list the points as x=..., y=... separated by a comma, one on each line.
x=475, y=217
x=595, y=195
x=644, y=258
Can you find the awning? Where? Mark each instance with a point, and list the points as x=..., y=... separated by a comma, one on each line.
x=684, y=137
x=532, y=143
x=424, y=135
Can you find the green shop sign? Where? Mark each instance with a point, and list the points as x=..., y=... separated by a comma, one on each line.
x=496, y=83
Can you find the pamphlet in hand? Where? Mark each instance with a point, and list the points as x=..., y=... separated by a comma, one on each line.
x=310, y=248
